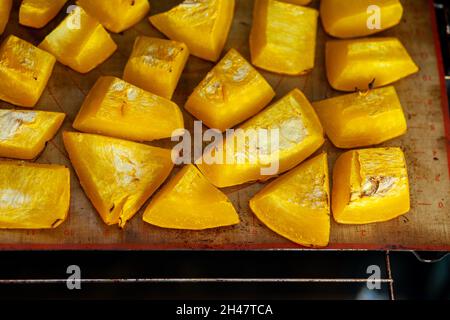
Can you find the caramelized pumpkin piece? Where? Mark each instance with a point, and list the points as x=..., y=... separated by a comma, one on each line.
x=118, y=176
x=297, y=205
x=37, y=13
x=272, y=142
x=362, y=119
x=367, y=63
x=81, y=48
x=116, y=15
x=283, y=37
x=354, y=18
x=24, y=72
x=369, y=186
x=23, y=134
x=230, y=93
x=5, y=10
x=189, y=201
x=33, y=196
x=156, y=65
x=116, y=108
x=202, y=24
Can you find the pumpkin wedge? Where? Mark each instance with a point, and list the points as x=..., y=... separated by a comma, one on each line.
x=23, y=134
x=116, y=108
x=82, y=47
x=24, y=72
x=356, y=18
x=5, y=10
x=156, y=65
x=283, y=37
x=370, y=185
x=362, y=119
x=272, y=142
x=297, y=205
x=367, y=63
x=189, y=201
x=118, y=176
x=116, y=15
x=37, y=13
x=202, y=24
x=33, y=196
x=231, y=92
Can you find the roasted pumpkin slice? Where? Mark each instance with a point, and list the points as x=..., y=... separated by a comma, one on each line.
x=359, y=18
x=23, y=134
x=33, y=196
x=24, y=72
x=230, y=93
x=202, y=24
x=37, y=13
x=362, y=119
x=118, y=176
x=116, y=15
x=156, y=65
x=370, y=185
x=189, y=201
x=367, y=63
x=297, y=205
x=5, y=10
x=283, y=37
x=82, y=48
x=272, y=142
x=116, y=108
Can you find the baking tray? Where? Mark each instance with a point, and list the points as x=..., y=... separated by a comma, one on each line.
x=426, y=145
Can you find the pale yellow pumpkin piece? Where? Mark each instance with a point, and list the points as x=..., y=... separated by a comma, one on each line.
x=37, y=13
x=116, y=108
x=283, y=37
x=189, y=201
x=370, y=185
x=23, y=134
x=203, y=25
x=33, y=196
x=156, y=65
x=81, y=47
x=118, y=176
x=297, y=205
x=231, y=92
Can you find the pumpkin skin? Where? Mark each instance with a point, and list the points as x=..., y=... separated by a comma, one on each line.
x=24, y=133
x=116, y=108
x=24, y=72
x=370, y=185
x=116, y=15
x=362, y=119
x=37, y=13
x=283, y=37
x=81, y=49
x=203, y=25
x=349, y=19
x=118, y=176
x=369, y=63
x=190, y=202
x=155, y=65
x=297, y=205
x=300, y=134
x=5, y=10
x=231, y=92
x=33, y=196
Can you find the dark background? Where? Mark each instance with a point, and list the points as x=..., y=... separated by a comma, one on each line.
x=413, y=276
